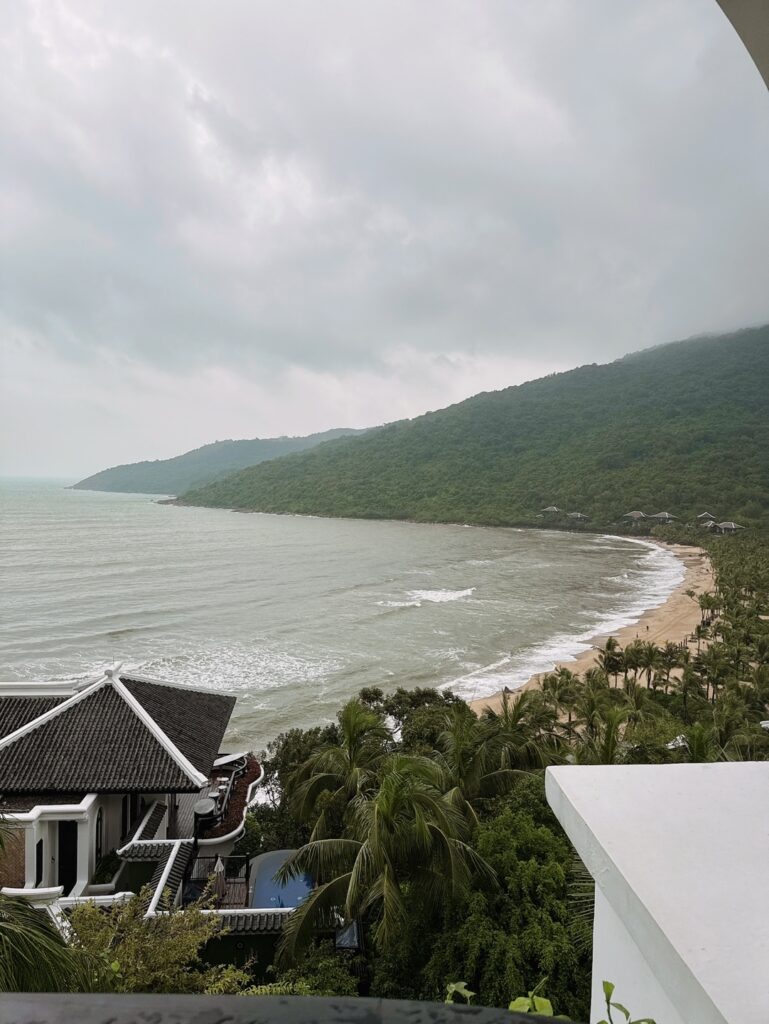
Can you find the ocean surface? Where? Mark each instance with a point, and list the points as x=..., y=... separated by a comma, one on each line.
x=294, y=615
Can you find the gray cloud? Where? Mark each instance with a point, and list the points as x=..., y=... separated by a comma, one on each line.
x=349, y=212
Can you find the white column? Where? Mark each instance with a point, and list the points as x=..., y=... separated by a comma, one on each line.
x=84, y=856
x=30, y=840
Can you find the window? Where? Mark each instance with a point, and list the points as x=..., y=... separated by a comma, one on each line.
x=99, y=835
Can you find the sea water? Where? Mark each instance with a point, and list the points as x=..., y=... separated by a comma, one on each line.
x=293, y=615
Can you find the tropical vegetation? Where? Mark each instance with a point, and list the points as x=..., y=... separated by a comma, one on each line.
x=202, y=465
x=680, y=428
x=34, y=957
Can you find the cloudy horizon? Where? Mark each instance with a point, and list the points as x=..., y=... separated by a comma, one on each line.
x=251, y=220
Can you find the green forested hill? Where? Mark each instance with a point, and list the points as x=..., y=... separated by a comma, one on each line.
x=682, y=427
x=201, y=466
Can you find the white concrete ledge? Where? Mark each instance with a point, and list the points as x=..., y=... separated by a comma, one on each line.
x=680, y=854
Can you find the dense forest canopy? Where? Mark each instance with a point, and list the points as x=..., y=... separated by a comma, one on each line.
x=682, y=427
x=201, y=466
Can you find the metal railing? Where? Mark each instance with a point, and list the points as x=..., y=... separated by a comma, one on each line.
x=228, y=878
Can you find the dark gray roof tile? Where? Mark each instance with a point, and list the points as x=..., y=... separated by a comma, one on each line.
x=195, y=721
x=98, y=744
x=17, y=711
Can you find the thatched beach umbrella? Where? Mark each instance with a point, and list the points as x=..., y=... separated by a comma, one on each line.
x=576, y=515
x=664, y=517
x=635, y=516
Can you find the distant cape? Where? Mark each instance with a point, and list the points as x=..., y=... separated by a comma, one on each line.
x=202, y=465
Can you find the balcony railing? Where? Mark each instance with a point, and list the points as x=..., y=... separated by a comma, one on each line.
x=228, y=879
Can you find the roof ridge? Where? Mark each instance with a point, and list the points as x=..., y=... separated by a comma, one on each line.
x=133, y=677
x=53, y=712
x=193, y=774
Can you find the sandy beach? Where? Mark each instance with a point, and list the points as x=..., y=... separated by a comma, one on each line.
x=673, y=620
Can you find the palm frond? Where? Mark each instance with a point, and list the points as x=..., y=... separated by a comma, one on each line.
x=321, y=909
x=321, y=859
x=35, y=958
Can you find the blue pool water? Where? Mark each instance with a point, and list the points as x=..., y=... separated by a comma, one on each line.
x=269, y=894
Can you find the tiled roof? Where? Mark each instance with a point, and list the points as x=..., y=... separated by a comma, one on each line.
x=150, y=830
x=17, y=711
x=20, y=802
x=194, y=721
x=240, y=923
x=116, y=735
x=145, y=851
x=181, y=856
x=99, y=743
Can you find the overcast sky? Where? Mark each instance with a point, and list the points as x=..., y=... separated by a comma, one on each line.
x=235, y=219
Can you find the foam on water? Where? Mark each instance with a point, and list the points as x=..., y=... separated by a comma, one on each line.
x=657, y=576
x=294, y=615
x=441, y=596
x=416, y=598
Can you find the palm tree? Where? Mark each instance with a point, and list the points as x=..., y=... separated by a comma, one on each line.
x=34, y=956
x=670, y=658
x=688, y=686
x=588, y=707
x=639, y=706
x=559, y=691
x=701, y=633
x=346, y=769
x=631, y=660
x=405, y=832
x=714, y=665
x=522, y=732
x=649, y=659
x=610, y=658
x=605, y=746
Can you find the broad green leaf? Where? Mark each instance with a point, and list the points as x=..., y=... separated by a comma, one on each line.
x=542, y=1005
x=621, y=1008
x=522, y=1004
x=458, y=988
x=608, y=989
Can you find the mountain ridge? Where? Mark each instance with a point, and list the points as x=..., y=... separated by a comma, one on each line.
x=201, y=466
x=672, y=427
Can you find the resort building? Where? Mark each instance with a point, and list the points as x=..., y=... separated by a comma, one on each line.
x=635, y=516
x=117, y=782
x=728, y=527
x=663, y=517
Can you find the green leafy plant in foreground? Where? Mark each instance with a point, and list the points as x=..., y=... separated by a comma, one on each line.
x=458, y=988
x=608, y=991
x=533, y=1002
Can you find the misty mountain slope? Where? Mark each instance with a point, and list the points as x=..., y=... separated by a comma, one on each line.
x=201, y=466
x=682, y=427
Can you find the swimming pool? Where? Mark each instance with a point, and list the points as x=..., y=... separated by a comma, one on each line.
x=266, y=893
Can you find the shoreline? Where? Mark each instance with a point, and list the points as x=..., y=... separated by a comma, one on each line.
x=672, y=620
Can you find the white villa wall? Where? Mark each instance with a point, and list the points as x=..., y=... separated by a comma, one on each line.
x=47, y=830
x=618, y=959
x=679, y=854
